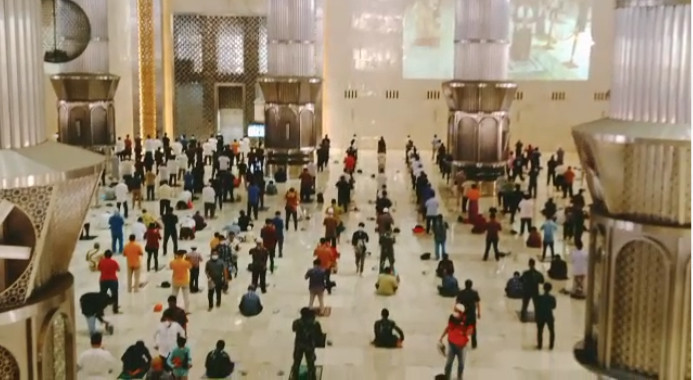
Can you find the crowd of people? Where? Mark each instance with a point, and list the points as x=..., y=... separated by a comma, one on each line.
x=174, y=173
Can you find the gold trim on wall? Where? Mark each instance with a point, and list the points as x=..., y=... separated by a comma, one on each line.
x=147, y=66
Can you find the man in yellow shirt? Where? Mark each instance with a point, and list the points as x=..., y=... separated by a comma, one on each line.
x=133, y=252
x=387, y=283
x=148, y=218
x=214, y=242
x=180, y=279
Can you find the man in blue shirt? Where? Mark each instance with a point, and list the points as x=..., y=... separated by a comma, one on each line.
x=450, y=287
x=250, y=304
x=115, y=224
x=253, y=199
x=279, y=227
x=549, y=227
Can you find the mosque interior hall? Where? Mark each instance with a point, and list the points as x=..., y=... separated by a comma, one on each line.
x=330, y=189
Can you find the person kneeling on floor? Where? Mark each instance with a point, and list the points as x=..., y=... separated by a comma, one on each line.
x=513, y=288
x=387, y=283
x=387, y=333
x=449, y=286
x=250, y=304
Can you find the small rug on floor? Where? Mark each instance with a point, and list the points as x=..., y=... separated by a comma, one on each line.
x=530, y=316
x=303, y=373
x=327, y=311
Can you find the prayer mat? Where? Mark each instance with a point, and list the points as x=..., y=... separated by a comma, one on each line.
x=303, y=373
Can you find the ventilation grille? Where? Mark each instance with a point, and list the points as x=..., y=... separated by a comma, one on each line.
x=433, y=95
x=391, y=94
x=351, y=94
x=558, y=96
x=602, y=96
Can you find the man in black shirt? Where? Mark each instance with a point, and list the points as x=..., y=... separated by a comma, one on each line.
x=136, y=360
x=471, y=301
x=170, y=221
x=93, y=305
x=383, y=330
x=445, y=266
x=308, y=336
x=343, y=192
x=218, y=363
x=544, y=316
x=259, y=265
x=176, y=313
x=359, y=241
x=531, y=279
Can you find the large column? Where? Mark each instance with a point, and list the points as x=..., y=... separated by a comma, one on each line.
x=638, y=315
x=291, y=89
x=480, y=96
x=45, y=188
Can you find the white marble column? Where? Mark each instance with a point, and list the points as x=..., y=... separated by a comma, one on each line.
x=21, y=72
x=652, y=62
x=482, y=44
x=291, y=38
x=122, y=61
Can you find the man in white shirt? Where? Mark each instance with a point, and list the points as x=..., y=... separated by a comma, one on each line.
x=381, y=179
x=96, y=363
x=150, y=144
x=138, y=229
x=207, y=150
x=209, y=199
x=163, y=173
x=187, y=228
x=213, y=140
x=184, y=196
x=526, y=208
x=177, y=148
x=182, y=164
x=120, y=147
x=121, y=193
x=579, y=260
x=435, y=144
x=165, y=194
x=127, y=169
x=172, y=168
x=224, y=163
x=245, y=147
x=432, y=206
x=166, y=335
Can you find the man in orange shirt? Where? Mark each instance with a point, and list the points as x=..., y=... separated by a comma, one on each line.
x=180, y=279
x=325, y=253
x=235, y=147
x=291, y=208
x=568, y=178
x=133, y=252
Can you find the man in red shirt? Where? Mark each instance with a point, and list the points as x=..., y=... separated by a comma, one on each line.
x=306, y=185
x=492, y=230
x=108, y=281
x=326, y=254
x=350, y=165
x=458, y=332
x=568, y=179
x=291, y=208
x=268, y=233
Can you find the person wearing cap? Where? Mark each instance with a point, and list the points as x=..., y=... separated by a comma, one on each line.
x=258, y=265
x=195, y=259
x=180, y=278
x=384, y=221
x=458, y=332
x=250, y=304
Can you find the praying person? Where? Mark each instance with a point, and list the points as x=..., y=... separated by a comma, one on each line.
x=387, y=333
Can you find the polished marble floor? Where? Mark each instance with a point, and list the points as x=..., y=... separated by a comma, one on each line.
x=262, y=345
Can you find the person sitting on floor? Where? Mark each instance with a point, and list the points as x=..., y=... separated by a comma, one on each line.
x=449, y=287
x=244, y=221
x=280, y=175
x=445, y=265
x=387, y=333
x=250, y=304
x=200, y=222
x=534, y=238
x=513, y=289
x=136, y=361
x=187, y=229
x=93, y=257
x=558, y=269
x=271, y=188
x=387, y=283
x=218, y=364
x=478, y=224
x=158, y=370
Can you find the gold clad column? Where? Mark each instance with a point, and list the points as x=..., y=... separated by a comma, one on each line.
x=147, y=66
x=45, y=190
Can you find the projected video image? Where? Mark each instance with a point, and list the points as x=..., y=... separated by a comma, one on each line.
x=550, y=39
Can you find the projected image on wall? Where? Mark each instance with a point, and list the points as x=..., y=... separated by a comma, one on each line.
x=550, y=39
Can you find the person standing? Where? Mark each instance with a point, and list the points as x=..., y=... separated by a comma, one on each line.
x=325, y=254
x=331, y=222
x=458, y=332
x=431, y=206
x=472, y=306
x=440, y=232
x=259, y=265
x=291, y=208
x=279, y=228
x=526, y=207
x=316, y=285
x=166, y=194
x=121, y=193
x=209, y=199
x=306, y=185
x=533, y=182
x=253, y=199
x=544, y=307
x=180, y=359
x=170, y=221
x=308, y=335
x=580, y=261
x=152, y=237
x=215, y=271
x=269, y=240
x=195, y=259
x=108, y=281
x=531, y=278
x=167, y=334
x=96, y=363
x=359, y=240
x=549, y=227
x=492, y=236
x=133, y=253
x=115, y=224
x=551, y=165
x=180, y=278
x=568, y=179
x=344, y=188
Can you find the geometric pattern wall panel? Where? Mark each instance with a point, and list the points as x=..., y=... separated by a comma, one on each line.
x=638, y=318
x=9, y=369
x=208, y=50
x=64, y=225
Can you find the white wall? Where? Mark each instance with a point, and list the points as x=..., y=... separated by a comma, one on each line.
x=535, y=119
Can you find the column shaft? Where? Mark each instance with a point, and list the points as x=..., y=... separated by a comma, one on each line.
x=21, y=74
